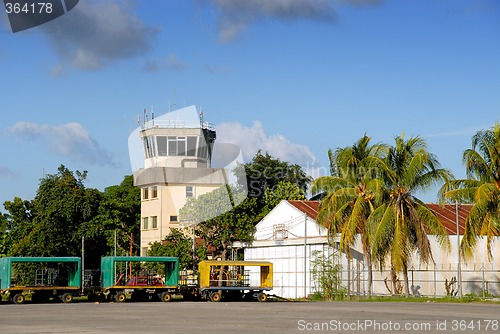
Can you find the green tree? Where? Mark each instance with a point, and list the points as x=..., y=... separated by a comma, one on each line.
x=401, y=225
x=230, y=223
x=18, y=220
x=61, y=205
x=178, y=244
x=119, y=212
x=352, y=193
x=265, y=172
x=284, y=190
x=3, y=234
x=481, y=187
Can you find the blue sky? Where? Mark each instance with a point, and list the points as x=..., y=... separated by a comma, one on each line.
x=292, y=77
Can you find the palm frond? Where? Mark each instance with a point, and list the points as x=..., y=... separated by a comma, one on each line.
x=459, y=190
x=329, y=184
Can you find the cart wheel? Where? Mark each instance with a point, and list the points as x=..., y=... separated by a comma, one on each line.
x=120, y=297
x=19, y=298
x=67, y=298
x=262, y=297
x=165, y=297
x=215, y=297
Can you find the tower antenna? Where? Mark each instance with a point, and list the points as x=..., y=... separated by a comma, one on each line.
x=153, y=115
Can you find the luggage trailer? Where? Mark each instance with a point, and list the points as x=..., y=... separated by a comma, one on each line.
x=233, y=280
x=138, y=284
x=41, y=278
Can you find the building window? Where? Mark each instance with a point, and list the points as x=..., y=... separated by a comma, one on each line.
x=181, y=146
x=203, y=150
x=279, y=232
x=173, y=218
x=145, y=222
x=154, y=192
x=174, y=146
x=154, y=222
x=189, y=191
x=191, y=146
x=161, y=143
x=149, y=146
x=145, y=193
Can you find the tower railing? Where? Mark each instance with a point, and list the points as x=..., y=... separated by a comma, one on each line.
x=177, y=124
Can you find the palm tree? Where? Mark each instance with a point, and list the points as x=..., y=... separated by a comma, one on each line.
x=482, y=187
x=401, y=225
x=351, y=195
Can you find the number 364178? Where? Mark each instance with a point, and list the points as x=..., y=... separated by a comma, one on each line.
x=32, y=8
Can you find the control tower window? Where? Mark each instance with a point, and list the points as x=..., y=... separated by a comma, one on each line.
x=191, y=146
x=172, y=146
x=161, y=143
x=202, y=150
x=149, y=147
x=181, y=146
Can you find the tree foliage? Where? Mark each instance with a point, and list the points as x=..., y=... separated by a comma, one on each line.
x=178, y=244
x=235, y=223
x=284, y=190
x=352, y=193
x=119, y=212
x=61, y=205
x=266, y=172
x=63, y=211
x=326, y=273
x=401, y=224
x=482, y=188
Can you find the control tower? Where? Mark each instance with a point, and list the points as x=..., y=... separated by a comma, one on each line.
x=177, y=150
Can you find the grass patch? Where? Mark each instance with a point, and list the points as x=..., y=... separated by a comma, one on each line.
x=469, y=298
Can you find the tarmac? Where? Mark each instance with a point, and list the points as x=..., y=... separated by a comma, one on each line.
x=249, y=317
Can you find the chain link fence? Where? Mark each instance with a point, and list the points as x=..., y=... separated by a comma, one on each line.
x=482, y=280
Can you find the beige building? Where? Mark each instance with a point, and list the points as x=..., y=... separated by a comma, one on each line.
x=177, y=165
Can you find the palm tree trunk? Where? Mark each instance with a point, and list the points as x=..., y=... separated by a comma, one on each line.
x=368, y=259
x=407, y=286
x=394, y=279
x=370, y=275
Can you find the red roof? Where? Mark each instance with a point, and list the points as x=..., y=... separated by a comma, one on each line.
x=448, y=216
x=446, y=213
x=308, y=207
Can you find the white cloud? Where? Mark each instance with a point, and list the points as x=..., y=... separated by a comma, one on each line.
x=253, y=139
x=58, y=70
x=457, y=133
x=172, y=61
x=6, y=172
x=233, y=16
x=69, y=140
x=95, y=34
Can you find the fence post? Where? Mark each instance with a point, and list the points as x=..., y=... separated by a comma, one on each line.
x=484, y=288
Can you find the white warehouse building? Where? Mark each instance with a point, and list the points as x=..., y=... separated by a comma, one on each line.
x=289, y=236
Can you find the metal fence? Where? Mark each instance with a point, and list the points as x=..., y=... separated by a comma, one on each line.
x=482, y=280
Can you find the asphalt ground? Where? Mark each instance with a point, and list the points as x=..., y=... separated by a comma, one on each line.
x=250, y=317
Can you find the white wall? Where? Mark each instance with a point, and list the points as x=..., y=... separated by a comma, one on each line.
x=288, y=259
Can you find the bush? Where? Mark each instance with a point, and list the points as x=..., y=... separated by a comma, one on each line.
x=326, y=274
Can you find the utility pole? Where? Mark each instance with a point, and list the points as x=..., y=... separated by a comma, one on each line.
x=305, y=255
x=459, y=267
x=83, y=262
